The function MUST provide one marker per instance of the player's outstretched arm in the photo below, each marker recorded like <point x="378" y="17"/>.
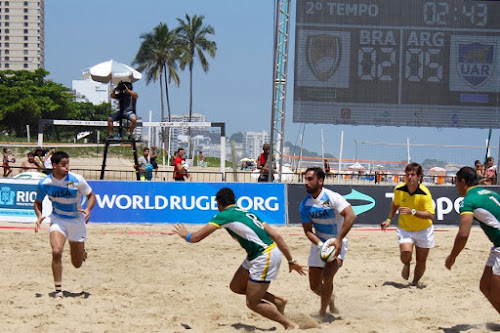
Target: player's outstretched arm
<point x="461" y="238"/>
<point x="194" y="237"/>
<point x="280" y="242"/>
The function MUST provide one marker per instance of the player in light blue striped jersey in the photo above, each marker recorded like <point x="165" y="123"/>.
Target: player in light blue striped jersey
<point x="68" y="220"/>
<point x="324" y="214"/>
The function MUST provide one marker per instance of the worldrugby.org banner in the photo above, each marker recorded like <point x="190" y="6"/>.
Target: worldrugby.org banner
<point x="181" y="202"/>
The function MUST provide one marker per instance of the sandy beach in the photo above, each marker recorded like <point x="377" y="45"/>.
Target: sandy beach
<point x="144" y="279"/>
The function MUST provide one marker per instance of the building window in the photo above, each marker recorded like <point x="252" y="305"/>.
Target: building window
<point x="25" y="44"/>
<point x="25" y="37"/>
<point x="6" y="65"/>
<point x="25" y="65"/>
<point x="25" y="24"/>
<point x="25" y="10"/>
<point x="6" y="10"/>
<point x="26" y="3"/>
<point x="6" y="37"/>
<point x="7" y="31"/>
<point x="26" y="52"/>
<point x="25" y="17"/>
<point x="6" y="3"/>
<point x="7" y="44"/>
<point x="7" y="24"/>
<point x="7" y="17"/>
<point x="25" y="31"/>
<point x="7" y="51"/>
<point x="7" y="58"/>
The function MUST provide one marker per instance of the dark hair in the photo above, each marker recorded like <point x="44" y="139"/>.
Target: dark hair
<point x="30" y="154"/>
<point x="225" y="197"/>
<point x="414" y="167"/>
<point x="37" y="149"/>
<point x="476" y="162"/>
<point x="178" y="150"/>
<point x="145" y="148"/>
<point x="468" y="174"/>
<point x="58" y="156"/>
<point x="317" y="171"/>
<point x="490" y="159"/>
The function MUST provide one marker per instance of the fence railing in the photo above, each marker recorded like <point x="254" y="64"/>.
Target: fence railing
<point x="206" y="176"/>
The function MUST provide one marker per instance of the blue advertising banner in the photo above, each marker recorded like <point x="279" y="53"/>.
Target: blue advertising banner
<point x="16" y="201"/>
<point x="181" y="202"/>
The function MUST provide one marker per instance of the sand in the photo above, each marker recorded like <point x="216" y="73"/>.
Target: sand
<point x="144" y="279"/>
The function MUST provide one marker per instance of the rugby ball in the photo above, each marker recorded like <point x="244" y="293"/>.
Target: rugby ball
<point x="327" y="251"/>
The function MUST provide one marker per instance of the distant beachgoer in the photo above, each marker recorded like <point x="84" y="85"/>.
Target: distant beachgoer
<point x="31" y="164"/>
<point x="262" y="164"/>
<point x="490" y="172"/>
<point x="7" y="170"/>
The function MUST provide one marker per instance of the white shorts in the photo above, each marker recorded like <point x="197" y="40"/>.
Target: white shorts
<point x="422" y="238"/>
<point x="494" y="260"/>
<point x="74" y="231"/>
<point x="265" y="267"/>
<point x="315" y="259"/>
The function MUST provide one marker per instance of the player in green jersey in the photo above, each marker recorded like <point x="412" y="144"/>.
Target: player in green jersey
<point x="482" y="205"/>
<point x="263" y="246"/>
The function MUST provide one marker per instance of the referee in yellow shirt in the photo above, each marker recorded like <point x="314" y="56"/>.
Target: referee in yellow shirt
<point x="416" y="213"/>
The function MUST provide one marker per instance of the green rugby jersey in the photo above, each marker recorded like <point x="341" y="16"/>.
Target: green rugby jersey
<point x="246" y="228"/>
<point x="485" y="205"/>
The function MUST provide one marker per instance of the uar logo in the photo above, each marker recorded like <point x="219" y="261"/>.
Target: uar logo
<point x="476" y="62"/>
<point x="7" y="196"/>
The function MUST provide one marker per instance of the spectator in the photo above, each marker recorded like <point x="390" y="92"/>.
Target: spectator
<point x="47" y="163"/>
<point x="30" y="164"/>
<point x="7" y="170"/>
<point x="39" y="155"/>
<point x="153" y="157"/>
<point x="490" y="172"/>
<point x="180" y="166"/>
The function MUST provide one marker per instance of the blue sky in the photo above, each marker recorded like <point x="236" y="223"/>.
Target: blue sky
<point x="237" y="89"/>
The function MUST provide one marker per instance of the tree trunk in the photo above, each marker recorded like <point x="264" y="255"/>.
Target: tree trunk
<point x="190" y="105"/>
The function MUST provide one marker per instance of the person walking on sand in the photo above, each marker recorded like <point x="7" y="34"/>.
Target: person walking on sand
<point x="482" y="205"/>
<point x="416" y="213"/>
<point x="261" y="266"/>
<point x="68" y="219"/>
<point x="325" y="214"/>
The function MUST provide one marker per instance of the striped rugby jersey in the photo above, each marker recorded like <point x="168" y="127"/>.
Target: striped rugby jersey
<point x="324" y="213"/>
<point x="65" y="194"/>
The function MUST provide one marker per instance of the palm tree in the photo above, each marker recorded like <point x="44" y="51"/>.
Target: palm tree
<point x="193" y="35"/>
<point x="157" y="56"/>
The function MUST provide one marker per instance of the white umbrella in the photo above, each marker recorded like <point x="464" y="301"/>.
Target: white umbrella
<point x="437" y="170"/>
<point x="111" y="71"/>
<point x="356" y="166"/>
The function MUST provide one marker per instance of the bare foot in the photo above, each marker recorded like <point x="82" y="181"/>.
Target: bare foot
<point x="291" y="326"/>
<point x="84" y="255"/>
<point x="405" y="273"/>
<point x="59" y="294"/>
<point x="333" y="309"/>
<point x="280" y="303"/>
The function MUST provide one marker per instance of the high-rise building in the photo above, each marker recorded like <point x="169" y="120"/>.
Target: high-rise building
<point x="22" y="34"/>
<point x="253" y="142"/>
<point x="90" y="91"/>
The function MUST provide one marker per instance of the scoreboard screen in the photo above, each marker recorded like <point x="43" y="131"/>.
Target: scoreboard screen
<point x="398" y="63"/>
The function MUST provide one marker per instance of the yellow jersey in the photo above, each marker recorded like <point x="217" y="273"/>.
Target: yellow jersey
<point x="420" y="200"/>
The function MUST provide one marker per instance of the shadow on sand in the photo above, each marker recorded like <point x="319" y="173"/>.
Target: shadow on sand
<point x="493" y="327"/>
<point x="403" y="285"/>
<point x="82" y="294"/>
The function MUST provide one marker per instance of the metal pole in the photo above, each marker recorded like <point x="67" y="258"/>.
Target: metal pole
<point x="340" y="154"/>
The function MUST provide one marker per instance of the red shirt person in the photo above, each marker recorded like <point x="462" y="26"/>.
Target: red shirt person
<point x="180" y="166"/>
